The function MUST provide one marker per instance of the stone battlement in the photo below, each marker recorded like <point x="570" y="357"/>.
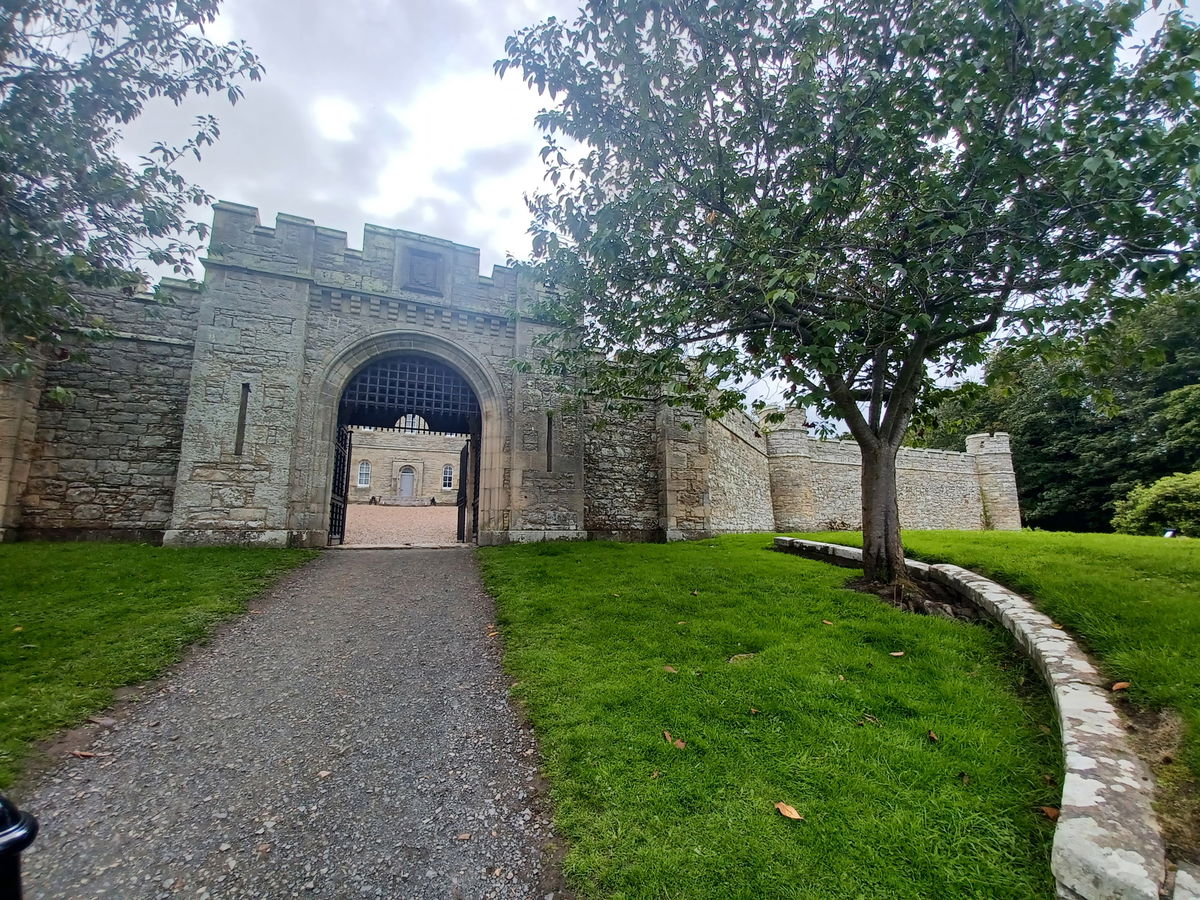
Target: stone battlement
<point x="391" y="263"/>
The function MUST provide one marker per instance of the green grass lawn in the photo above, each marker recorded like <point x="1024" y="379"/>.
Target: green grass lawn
<point x="1134" y="602"/>
<point x="821" y="717"/>
<point x="79" y="620"/>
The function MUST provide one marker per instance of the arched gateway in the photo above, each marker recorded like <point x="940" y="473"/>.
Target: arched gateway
<point x="320" y="338"/>
<point x="224" y="418"/>
<point x="408" y="387"/>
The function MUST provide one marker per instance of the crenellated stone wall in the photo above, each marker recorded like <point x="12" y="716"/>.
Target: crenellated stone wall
<point x="816" y="484"/>
<point x="214" y="420"/>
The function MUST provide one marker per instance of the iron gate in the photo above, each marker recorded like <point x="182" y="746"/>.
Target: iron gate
<point x="341" y="485"/>
<point x="463" y="457"/>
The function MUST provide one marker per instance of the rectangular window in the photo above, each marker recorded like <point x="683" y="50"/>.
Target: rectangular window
<point x="447" y="477"/>
<point x="364" y="474"/>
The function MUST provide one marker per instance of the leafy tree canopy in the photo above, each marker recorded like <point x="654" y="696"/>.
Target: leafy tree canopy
<point x="851" y="196"/>
<point x="73" y="213"/>
<point x="1172" y="502"/>
<point x="1116" y="408"/>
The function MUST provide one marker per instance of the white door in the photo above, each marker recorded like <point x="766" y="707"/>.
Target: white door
<point x="407" y="486"/>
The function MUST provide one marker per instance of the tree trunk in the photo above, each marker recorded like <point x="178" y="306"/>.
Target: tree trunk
<point x="883" y="556"/>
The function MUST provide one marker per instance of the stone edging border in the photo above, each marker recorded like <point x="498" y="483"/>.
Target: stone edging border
<point x="1107" y="843"/>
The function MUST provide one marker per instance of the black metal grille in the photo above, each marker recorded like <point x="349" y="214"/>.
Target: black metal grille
<point x="341" y="485"/>
<point x="410" y="385"/>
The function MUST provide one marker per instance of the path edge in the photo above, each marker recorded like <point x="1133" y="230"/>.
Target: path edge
<point x="1107" y="842"/>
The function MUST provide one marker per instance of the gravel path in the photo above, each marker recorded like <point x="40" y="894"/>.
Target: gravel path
<point x="393" y="525"/>
<point x="351" y="737"/>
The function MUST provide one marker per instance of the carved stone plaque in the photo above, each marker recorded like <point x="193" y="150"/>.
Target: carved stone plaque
<point x="424" y="272"/>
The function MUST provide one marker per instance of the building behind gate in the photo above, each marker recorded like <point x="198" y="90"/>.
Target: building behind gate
<point x="229" y="415"/>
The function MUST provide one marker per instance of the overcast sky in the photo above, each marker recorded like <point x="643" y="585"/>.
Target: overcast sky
<point x="380" y="111"/>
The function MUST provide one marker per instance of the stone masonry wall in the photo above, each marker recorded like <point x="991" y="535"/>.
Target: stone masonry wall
<point x="816" y="484"/>
<point x="18" y="433"/>
<point x="547" y="496"/>
<point x="739" y="476"/>
<point x="622" y="478"/>
<point x="936" y="489"/>
<point x="213" y="420"/>
<point x="103" y="463"/>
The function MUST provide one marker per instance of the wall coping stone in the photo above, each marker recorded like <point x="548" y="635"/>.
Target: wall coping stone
<point x="1187" y="882"/>
<point x="1107" y="843"/>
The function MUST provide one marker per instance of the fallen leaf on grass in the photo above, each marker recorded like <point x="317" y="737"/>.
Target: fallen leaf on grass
<point x="826" y="622"/>
<point x="788" y="812"/>
<point x="933" y="738"/>
<point x="1122" y="686"/>
<point x="964" y="777"/>
<point x="670" y="669"/>
<point x="841" y="678"/>
<point x="741" y="657"/>
<point x="18" y="628"/>
<point x="655" y="773"/>
<point x="674" y="741"/>
<point x="82" y="754"/>
<point x="681" y="622"/>
<point x="1055" y="625"/>
<point x="753" y="711"/>
<point x="695" y="593"/>
<point x="896" y="653"/>
<point x="1050" y="812"/>
<point x="493" y="634"/>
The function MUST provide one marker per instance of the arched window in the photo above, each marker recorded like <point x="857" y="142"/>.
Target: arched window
<point x="413" y="424"/>
<point x="447" y="476"/>
<point x="364" y="474"/>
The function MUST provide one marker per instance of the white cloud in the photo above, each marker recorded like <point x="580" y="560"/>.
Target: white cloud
<point x="335" y="118"/>
<point x="471" y="144"/>
<point x="380" y="111"/>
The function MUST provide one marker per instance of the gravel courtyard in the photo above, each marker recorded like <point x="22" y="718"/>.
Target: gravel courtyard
<point x="351" y="737"/>
<point x="397" y="525"/>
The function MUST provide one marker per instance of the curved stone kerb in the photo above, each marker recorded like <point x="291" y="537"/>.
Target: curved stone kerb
<point x="1107" y="844"/>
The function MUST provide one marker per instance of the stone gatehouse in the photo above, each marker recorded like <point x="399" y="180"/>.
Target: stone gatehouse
<point x="228" y="416"/>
